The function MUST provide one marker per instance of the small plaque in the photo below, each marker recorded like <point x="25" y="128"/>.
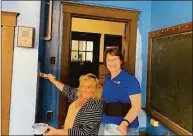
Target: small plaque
<point x="25" y="37"/>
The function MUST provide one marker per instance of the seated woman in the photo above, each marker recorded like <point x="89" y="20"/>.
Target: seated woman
<point x="84" y="114"/>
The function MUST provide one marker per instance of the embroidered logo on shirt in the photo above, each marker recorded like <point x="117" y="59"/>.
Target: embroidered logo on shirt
<point x="117" y="82"/>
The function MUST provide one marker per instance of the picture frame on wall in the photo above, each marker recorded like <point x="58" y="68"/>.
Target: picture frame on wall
<point x="25" y="37"/>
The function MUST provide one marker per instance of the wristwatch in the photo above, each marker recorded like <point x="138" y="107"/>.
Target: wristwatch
<point x="126" y="121"/>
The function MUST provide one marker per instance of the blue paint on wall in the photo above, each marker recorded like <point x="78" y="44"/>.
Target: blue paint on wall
<point x="50" y="96"/>
<point x="169" y="13"/>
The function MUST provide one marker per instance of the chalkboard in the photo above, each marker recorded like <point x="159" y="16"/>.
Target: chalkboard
<point x="171" y="78"/>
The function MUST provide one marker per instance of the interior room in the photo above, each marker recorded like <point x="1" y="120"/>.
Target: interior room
<point x="68" y="39"/>
<point x="109" y="31"/>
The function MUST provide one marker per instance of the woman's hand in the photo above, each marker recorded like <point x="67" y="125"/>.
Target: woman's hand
<point x="52" y="131"/>
<point x="43" y="75"/>
<point x="123" y="128"/>
<point x="51" y="77"/>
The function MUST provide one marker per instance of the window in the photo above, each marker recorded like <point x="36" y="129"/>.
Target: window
<point x="81" y="51"/>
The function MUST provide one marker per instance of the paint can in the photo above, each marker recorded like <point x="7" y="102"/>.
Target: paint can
<point x="111" y="129"/>
<point x="40" y="128"/>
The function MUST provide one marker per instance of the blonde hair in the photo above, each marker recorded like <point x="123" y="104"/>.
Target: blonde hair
<point x="95" y="83"/>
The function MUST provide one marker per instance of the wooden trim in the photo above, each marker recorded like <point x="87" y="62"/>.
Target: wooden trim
<point x="100" y="12"/>
<point x="148" y="72"/>
<point x="129" y="17"/>
<point x="132" y="46"/>
<point x="64" y="66"/>
<point x="7" y="61"/>
<point x="166" y="122"/>
<point x="9" y="18"/>
<point x="65" y="46"/>
<point x="182" y="28"/>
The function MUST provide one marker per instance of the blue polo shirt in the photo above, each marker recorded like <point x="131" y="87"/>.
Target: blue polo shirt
<point x="118" y="89"/>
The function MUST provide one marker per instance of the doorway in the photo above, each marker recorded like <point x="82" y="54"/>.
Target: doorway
<point x="84" y="55"/>
<point x="129" y="17"/>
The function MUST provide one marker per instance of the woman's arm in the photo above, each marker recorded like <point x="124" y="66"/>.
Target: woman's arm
<point x="132" y="113"/>
<point x="134" y="92"/>
<point x="68" y="91"/>
<point x="53" y="80"/>
<point x="135" y="107"/>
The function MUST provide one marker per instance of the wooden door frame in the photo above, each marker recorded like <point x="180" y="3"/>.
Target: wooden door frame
<point x="74" y="9"/>
<point x="177" y="29"/>
<point x="9" y="22"/>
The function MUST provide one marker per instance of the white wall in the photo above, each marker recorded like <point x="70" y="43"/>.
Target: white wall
<point x="25" y="65"/>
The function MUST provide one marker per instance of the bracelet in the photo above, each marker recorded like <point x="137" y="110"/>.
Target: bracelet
<point x="126" y="121"/>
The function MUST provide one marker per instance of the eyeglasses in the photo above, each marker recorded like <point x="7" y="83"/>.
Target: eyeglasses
<point x="112" y="60"/>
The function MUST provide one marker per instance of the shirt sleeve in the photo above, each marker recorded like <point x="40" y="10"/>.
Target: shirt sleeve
<point x="93" y="114"/>
<point x="70" y="92"/>
<point x="133" y="86"/>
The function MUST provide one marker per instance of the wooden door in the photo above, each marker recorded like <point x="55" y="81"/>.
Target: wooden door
<point x="84" y="54"/>
<point x="7" y="31"/>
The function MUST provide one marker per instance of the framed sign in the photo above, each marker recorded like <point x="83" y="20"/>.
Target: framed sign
<point x="25" y="37"/>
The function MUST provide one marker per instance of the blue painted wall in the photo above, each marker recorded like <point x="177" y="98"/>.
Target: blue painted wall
<point x="50" y="94"/>
<point x="169" y="13"/>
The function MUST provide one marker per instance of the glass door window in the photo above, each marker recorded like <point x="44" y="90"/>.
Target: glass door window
<point x="81" y="51"/>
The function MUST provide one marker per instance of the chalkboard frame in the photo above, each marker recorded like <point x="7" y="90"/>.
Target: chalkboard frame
<point x="177" y="29"/>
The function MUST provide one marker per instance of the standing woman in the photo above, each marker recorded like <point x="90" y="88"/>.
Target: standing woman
<point x="121" y="95"/>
